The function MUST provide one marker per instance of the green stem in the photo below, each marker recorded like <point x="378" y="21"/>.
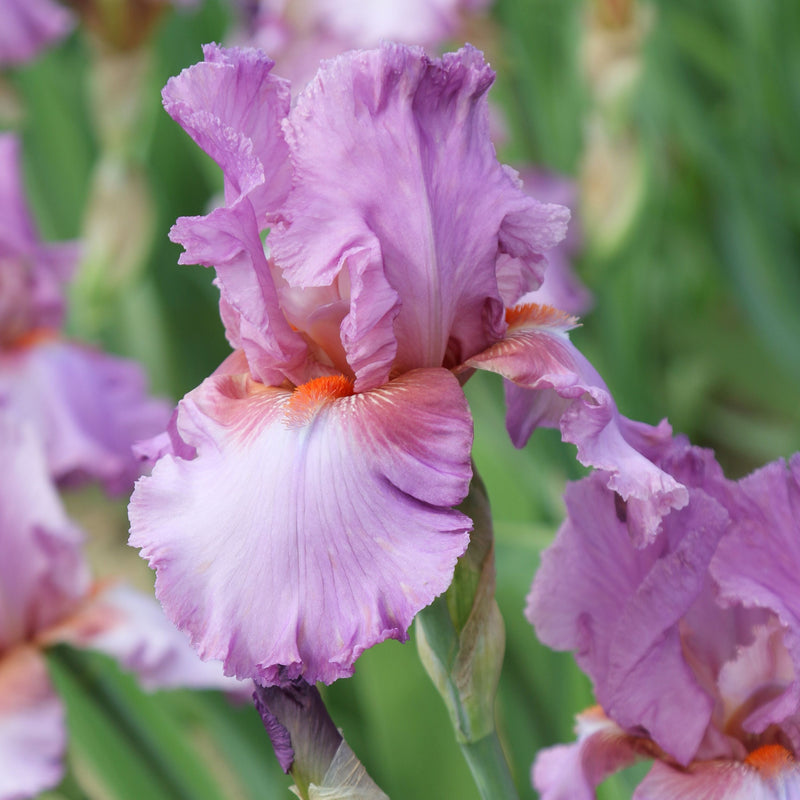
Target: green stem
<point x="489" y="768"/>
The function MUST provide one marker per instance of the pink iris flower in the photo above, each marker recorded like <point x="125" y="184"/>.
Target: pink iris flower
<point x="46" y="597"/>
<point x="28" y="26"/>
<point x="88" y="407"/>
<point x="692" y="642"/>
<point x="304" y="508"/>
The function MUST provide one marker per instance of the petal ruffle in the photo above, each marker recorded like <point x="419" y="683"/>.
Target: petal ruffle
<point x="33" y="734"/>
<point x="620" y="607"/>
<point x="232" y="106"/>
<point x="89" y="408"/>
<point x="42" y="572"/>
<point x="553" y="385"/>
<point x="421" y="263"/>
<point x="308" y="527"/>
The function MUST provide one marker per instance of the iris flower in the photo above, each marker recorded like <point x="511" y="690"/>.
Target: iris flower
<point x="692" y="642"/>
<point x="46" y="597"/>
<point x="304" y="509"/>
<point x="88" y="407"/>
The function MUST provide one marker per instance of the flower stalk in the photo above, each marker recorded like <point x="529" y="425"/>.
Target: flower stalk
<point x="461" y="639"/>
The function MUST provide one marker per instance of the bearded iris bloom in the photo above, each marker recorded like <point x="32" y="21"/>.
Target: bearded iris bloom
<point x="692" y="642"/>
<point x="303" y="509"/>
<point x="88" y="407"/>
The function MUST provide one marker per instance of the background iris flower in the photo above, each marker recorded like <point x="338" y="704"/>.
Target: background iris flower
<point x="691" y="642"/>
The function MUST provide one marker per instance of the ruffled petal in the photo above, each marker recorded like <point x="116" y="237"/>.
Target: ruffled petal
<point x="574" y="771"/>
<point x="311" y="525"/>
<point x="228" y="239"/>
<point x="33" y="734"/>
<point x="131" y="627"/>
<point x="619" y="607"/>
<point x="28" y="26"/>
<point x="757" y="566"/>
<point x="396" y="186"/>
<point x="553" y="385"/>
<point x="232" y="106"/>
<point x="89" y="408"/>
<point x="42" y="572"/>
<point x="719" y="780"/>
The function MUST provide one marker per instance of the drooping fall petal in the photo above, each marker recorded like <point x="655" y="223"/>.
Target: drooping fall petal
<point x="550" y="383"/>
<point x="311" y="524"/>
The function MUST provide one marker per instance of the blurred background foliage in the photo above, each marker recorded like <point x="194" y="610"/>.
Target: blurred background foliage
<point x="691" y="256"/>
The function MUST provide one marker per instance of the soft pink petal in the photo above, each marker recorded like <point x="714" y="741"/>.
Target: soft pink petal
<point x="32" y="728"/>
<point x="88" y="407"/>
<point x="554" y="385"/>
<point x="228" y="239"/>
<point x="302" y="534"/>
<point x="718" y="780"/>
<point x="394" y="125"/>
<point x="42" y="572"/>
<point x="619" y="608"/>
<point x="573" y="772"/>
<point x="28" y="26"/>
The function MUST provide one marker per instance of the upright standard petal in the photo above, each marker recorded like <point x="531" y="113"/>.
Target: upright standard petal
<point x="311" y="524"/>
<point x="233" y="106"/>
<point x="396" y="187"/>
<point x="33" y="734"/>
<point x="42" y="573"/>
<point x="88" y="407"/>
<point x="551" y="384"/>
